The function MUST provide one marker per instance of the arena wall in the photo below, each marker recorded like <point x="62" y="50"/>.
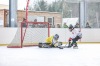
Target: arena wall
<point x="89" y="35"/>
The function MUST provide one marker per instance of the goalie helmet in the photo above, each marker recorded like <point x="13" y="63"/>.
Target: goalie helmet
<point x="56" y="37"/>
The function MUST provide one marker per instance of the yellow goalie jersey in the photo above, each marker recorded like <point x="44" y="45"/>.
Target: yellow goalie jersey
<point x="49" y="39"/>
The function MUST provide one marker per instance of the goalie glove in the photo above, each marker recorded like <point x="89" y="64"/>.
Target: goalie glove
<point x="56" y="44"/>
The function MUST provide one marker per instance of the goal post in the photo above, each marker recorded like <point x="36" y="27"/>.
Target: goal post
<point x="30" y="34"/>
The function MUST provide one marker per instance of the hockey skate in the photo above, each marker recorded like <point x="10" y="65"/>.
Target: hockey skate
<point x="61" y="47"/>
<point x="69" y="46"/>
<point x="75" y="47"/>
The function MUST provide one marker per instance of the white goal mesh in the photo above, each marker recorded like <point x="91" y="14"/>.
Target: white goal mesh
<point x="30" y="34"/>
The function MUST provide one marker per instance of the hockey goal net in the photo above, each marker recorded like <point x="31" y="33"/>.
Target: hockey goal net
<point x="30" y="34"/>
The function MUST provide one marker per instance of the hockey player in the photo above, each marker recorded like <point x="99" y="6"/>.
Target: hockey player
<point x="51" y="41"/>
<point x="76" y="35"/>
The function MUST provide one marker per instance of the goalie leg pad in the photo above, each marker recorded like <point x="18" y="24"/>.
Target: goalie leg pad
<point x="40" y="45"/>
<point x="44" y="45"/>
<point x="59" y="44"/>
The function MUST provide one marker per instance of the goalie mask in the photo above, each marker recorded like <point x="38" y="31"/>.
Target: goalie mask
<point x="56" y="37"/>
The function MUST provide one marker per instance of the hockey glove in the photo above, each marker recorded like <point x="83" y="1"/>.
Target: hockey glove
<point x="69" y="39"/>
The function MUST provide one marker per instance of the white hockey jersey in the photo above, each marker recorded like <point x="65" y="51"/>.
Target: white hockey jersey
<point x="75" y="33"/>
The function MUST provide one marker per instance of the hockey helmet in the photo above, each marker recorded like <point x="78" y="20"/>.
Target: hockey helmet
<point x="70" y="26"/>
<point x="56" y="37"/>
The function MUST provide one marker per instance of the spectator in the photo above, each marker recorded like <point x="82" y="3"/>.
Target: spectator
<point x="53" y="26"/>
<point x="35" y="20"/>
<point x="35" y="25"/>
<point x="77" y="25"/>
<point x="24" y="20"/>
<point x="87" y="25"/>
<point x="50" y="25"/>
<point x="58" y="26"/>
<point x="65" y="26"/>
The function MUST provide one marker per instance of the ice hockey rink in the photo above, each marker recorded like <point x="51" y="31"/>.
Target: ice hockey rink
<point x="83" y="11"/>
<point x="86" y="55"/>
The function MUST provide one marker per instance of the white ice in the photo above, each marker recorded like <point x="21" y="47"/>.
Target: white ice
<point x="86" y="55"/>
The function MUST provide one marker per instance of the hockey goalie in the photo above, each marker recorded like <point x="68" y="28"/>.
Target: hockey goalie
<point x="50" y="42"/>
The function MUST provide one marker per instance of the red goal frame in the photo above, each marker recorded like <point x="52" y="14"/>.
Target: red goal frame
<point x="23" y="34"/>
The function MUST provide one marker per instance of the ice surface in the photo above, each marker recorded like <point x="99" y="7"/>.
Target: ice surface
<point x="86" y="55"/>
